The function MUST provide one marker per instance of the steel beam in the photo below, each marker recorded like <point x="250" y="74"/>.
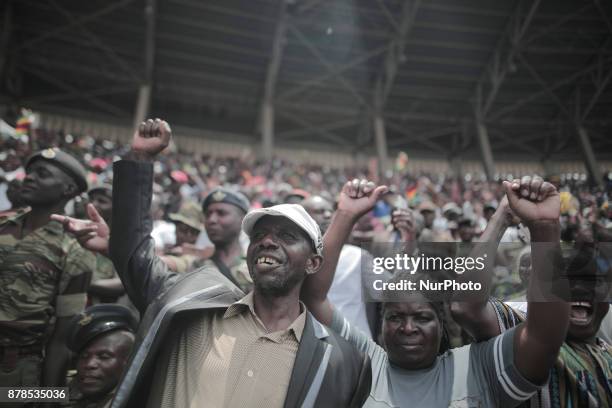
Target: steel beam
<point x="331" y="74"/>
<point x="571" y="78"/>
<point x="311" y="47"/>
<point x="110" y="53"/>
<point x="107" y="107"/>
<point x="295" y="133"/>
<point x="395" y="54"/>
<point x="332" y="137"/>
<point x="75" y="22"/>
<point x="501" y="61"/>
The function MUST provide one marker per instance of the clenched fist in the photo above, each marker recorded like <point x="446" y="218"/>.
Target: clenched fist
<point x="151" y="137"/>
<point x="533" y="199"/>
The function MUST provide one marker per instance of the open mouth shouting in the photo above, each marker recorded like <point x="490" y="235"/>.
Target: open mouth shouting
<point x="581" y="313"/>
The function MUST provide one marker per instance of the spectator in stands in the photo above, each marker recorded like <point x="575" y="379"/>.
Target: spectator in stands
<point x="268" y="329"/>
<point x="224" y="210"/>
<point x="184" y="255"/>
<point x="582" y="371"/>
<point x="45" y="274"/>
<point x="102" y="337"/>
<point x="407" y="370"/>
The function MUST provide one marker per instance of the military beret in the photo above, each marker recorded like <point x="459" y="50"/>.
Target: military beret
<point x="226" y="195"/>
<point x="64" y="161"/>
<point x="97" y="320"/>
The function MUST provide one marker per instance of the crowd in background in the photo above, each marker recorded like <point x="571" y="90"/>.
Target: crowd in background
<point x="451" y="208"/>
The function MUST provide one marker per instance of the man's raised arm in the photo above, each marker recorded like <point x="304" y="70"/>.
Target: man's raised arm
<point x="538" y="340"/>
<point x="144" y="275"/>
<point x="357" y="198"/>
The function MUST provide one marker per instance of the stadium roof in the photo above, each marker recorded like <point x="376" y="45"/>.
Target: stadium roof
<point x="532" y="71"/>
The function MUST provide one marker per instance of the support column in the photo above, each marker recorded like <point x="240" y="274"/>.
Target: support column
<point x="485" y="150"/>
<point x="267" y="131"/>
<point x="381" y="144"/>
<point x="589" y="156"/>
<point x="456" y="166"/>
<point x="143" y="102"/>
<point x="266" y="118"/>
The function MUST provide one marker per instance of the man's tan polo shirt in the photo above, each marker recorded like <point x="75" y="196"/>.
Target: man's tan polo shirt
<point x="229" y="359"/>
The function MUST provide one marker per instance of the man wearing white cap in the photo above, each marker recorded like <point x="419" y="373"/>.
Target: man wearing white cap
<point x="202" y="342"/>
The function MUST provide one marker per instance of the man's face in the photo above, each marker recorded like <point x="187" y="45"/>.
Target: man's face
<point x="101" y="363"/>
<point x="320" y="210"/>
<point x="185" y="234"/>
<point x="278" y="255"/>
<point x="428" y="218"/>
<point x="103" y="203"/>
<point x="466" y="233"/>
<point x="45" y="184"/>
<point x="587" y="308"/>
<point x="411" y="334"/>
<point x="524" y="268"/>
<point x="223" y="222"/>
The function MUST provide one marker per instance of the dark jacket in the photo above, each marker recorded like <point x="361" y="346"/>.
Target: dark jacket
<point x="328" y="371"/>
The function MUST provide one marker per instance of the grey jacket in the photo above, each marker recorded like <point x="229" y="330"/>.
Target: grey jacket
<point x="328" y="371"/>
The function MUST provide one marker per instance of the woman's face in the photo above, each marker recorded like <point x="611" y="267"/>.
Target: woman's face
<point x="412" y="334"/>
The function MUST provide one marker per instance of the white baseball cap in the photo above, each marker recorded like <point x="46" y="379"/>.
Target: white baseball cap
<point x="293" y="212"/>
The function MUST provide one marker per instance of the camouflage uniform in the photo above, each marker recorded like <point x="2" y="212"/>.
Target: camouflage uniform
<point x="238" y="269"/>
<point x="45" y="275"/>
<point x="183" y="263"/>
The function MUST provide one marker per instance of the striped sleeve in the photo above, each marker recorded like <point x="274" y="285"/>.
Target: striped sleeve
<point x="500" y="376"/>
<point x="355" y="336"/>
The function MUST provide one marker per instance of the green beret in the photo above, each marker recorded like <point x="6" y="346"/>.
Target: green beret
<point x="225" y="195"/>
<point x="64" y="161"/>
<point x="97" y="320"/>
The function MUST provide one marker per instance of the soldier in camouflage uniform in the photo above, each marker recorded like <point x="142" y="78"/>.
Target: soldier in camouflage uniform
<point x="224" y="210"/>
<point x="45" y="274"/>
<point x="184" y="255"/>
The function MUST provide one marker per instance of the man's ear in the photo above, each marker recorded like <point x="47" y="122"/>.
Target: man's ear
<point x="313" y="264"/>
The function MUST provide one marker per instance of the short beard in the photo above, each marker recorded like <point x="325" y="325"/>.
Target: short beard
<point x="279" y="286"/>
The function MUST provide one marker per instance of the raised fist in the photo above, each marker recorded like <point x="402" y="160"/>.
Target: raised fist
<point x="533" y="199"/>
<point x="359" y="196"/>
<point x="403" y="221"/>
<point x="151" y="137"/>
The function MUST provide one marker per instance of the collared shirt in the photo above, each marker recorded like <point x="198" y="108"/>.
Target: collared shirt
<point x="227" y="358"/>
<point x="44" y="275"/>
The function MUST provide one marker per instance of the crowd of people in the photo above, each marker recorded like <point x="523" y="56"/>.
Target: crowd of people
<point x="139" y="275"/>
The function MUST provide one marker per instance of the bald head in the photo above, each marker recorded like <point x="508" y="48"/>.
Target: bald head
<point x="320" y="210"/>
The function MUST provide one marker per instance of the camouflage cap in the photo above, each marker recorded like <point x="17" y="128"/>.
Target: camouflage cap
<point x="64" y="161"/>
<point x="189" y="214"/>
<point x="226" y="195"/>
<point x="106" y="189"/>
<point x="97" y="320"/>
